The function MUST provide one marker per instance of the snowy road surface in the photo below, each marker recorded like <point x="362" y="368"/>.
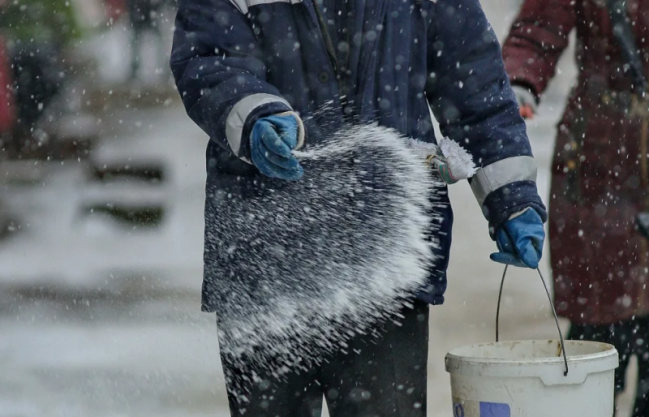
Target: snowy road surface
<point x="100" y="318"/>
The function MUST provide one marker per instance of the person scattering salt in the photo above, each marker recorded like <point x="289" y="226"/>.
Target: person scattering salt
<point x="327" y="221"/>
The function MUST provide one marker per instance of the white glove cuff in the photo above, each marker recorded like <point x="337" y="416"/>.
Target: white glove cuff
<point x="300" y="128"/>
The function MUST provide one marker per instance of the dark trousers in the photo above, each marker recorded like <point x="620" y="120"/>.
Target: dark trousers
<point x="630" y="338"/>
<point x="380" y="375"/>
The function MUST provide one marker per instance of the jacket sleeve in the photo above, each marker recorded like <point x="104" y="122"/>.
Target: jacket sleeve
<point x="220" y="73"/>
<point x="536" y="40"/>
<point x="473" y="102"/>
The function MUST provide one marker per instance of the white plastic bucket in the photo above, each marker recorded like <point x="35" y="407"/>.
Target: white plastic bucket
<point x="526" y="379"/>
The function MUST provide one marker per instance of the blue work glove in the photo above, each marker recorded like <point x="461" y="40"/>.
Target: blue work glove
<point x="272" y="140"/>
<point x="520" y="241"/>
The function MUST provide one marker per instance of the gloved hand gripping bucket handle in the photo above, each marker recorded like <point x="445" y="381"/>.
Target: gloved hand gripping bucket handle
<point x="554" y="311"/>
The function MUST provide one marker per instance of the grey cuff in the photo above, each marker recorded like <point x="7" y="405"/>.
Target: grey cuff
<point x="492" y="177"/>
<point x="236" y="120"/>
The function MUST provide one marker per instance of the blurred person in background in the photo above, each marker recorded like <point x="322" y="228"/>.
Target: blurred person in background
<point x="600" y="176"/>
<point x="144" y="18"/>
<point x="38" y="32"/>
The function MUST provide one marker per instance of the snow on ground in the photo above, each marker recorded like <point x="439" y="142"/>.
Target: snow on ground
<point x="101" y="318"/>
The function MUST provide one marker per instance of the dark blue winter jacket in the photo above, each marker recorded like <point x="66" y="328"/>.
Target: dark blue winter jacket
<point x="236" y="61"/>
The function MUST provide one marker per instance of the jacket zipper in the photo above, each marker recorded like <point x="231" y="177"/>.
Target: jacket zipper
<point x="331" y="51"/>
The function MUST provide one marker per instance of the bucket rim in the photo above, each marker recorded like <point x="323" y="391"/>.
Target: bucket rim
<point x="608" y="351"/>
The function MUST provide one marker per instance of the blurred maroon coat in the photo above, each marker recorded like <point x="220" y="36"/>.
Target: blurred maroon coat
<point x="599" y="179"/>
<point x="114" y="8"/>
<point x="7" y="105"/>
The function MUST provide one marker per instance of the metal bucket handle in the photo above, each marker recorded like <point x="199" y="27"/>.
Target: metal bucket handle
<point x="556" y="318"/>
